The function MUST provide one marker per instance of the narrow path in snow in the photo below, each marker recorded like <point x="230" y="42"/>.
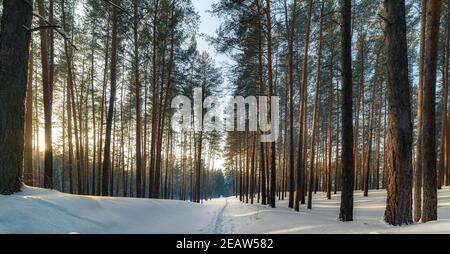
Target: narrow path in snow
<point x="219" y="221"/>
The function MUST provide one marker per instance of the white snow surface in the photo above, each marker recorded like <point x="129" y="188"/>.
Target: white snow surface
<point x="38" y="211"/>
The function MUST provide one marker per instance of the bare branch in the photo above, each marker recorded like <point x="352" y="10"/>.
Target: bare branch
<point x="43" y="28"/>
<point x="52" y="26"/>
<point x="118" y="7"/>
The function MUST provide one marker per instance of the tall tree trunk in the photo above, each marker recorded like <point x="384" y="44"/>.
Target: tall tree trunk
<point x="346" y="211"/>
<point x="378" y="145"/>
<point x="418" y="173"/>
<point x="429" y="212"/>
<point x="109" y="120"/>
<point x="102" y="115"/>
<point x="301" y="169"/>
<point x="315" y="112"/>
<point x="252" y="171"/>
<point x="445" y="71"/>
<point x="28" y="135"/>
<point x="154" y="99"/>
<point x="14" y="53"/>
<point x="330" y="120"/>
<point x="261" y="93"/>
<point x="359" y="162"/>
<point x="273" y="174"/>
<point x="368" y="157"/>
<point x="443" y="158"/>
<point x="139" y="167"/>
<point x="37" y="173"/>
<point x="399" y="150"/>
<point x="48" y="94"/>
<point x="290" y="30"/>
<point x="94" y="126"/>
<point x="337" y="164"/>
<point x="63" y="159"/>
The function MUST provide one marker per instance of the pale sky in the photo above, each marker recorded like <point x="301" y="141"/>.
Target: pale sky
<point x="208" y="26"/>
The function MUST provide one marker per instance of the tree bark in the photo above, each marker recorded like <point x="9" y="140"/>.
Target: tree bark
<point x="137" y="95"/>
<point x="290" y="30"/>
<point x="28" y="145"/>
<point x="418" y="172"/>
<point x="261" y="93"/>
<point x="301" y="170"/>
<point x="14" y="53"/>
<point x="399" y="150"/>
<point x="315" y="112"/>
<point x="48" y="101"/>
<point x="370" y="130"/>
<point x="429" y="212"/>
<point x="346" y="211"/>
<point x="109" y="120"/>
<point x="445" y="66"/>
<point x="154" y="100"/>
<point x="329" y="168"/>
<point x="273" y="174"/>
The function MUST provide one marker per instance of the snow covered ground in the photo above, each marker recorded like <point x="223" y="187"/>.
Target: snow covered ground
<point x="41" y="211"/>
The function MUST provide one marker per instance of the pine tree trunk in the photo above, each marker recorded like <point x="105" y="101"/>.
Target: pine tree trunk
<point x="48" y="94"/>
<point x="371" y="123"/>
<point x="346" y="211"/>
<point x="98" y="190"/>
<point x="252" y="171"/>
<point x="14" y="53"/>
<point x="337" y="164"/>
<point x="63" y="159"/>
<point x="94" y="126"/>
<point x="418" y="172"/>
<point x="261" y="93"/>
<point x="28" y="144"/>
<point x="329" y="168"/>
<point x="154" y="100"/>
<point x="109" y="120"/>
<point x="315" y="112"/>
<point x="378" y="145"/>
<point x="399" y="150"/>
<point x="445" y="71"/>
<point x="273" y="172"/>
<point x="290" y="30"/>
<point x="429" y="212"/>
<point x="443" y="162"/>
<point x="301" y="169"/>
<point x="136" y="63"/>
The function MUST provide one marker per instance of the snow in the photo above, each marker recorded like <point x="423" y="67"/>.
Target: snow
<point x="37" y="211"/>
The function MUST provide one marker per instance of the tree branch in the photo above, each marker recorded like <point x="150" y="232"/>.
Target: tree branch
<point x="118" y="7"/>
<point x="44" y="27"/>
<point x="52" y="26"/>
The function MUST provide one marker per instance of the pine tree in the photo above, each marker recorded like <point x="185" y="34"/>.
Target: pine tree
<point x="399" y="177"/>
<point x="346" y="213"/>
<point x="429" y="212"/>
<point x="16" y="19"/>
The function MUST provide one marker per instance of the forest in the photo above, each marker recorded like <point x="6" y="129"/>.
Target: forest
<point x="87" y="90"/>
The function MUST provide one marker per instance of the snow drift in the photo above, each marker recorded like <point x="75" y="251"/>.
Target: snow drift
<point x="36" y="211"/>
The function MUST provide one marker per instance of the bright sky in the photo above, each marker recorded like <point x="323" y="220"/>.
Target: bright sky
<point x="208" y="26"/>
